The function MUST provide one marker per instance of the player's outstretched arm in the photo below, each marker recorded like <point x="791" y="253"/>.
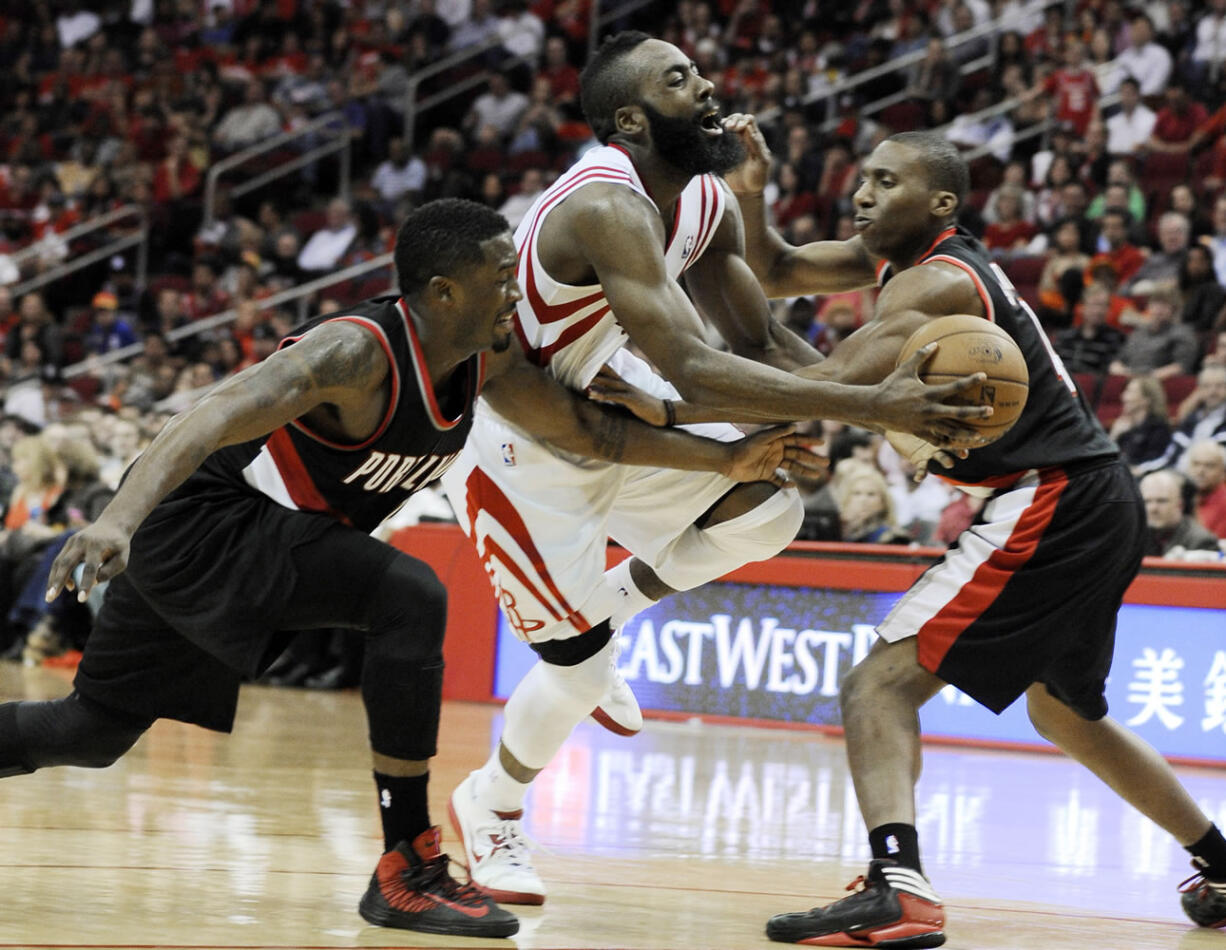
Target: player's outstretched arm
<point x="784" y="270"/>
<point x="539" y="404"/>
<point x="338" y="363"/>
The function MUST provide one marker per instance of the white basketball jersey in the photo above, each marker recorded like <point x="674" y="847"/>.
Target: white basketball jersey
<point x="569" y="330"/>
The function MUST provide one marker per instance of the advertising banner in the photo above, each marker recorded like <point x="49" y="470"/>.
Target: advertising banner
<point x="779" y="653"/>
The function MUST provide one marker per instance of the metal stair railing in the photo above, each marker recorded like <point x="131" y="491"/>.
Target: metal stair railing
<point x="290" y="295"/>
<point x="329" y="123"/>
<point x="138" y="238"/>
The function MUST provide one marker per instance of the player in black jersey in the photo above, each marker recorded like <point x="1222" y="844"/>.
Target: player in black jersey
<point x="1025" y="602"/>
<point x="248" y="518"/>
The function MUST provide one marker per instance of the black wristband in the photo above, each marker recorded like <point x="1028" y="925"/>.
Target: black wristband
<point x="670" y="413"/>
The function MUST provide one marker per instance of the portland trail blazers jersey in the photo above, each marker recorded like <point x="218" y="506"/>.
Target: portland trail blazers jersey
<point x="1056" y="427"/>
<point x="364" y="483"/>
<point x="571" y="330"/>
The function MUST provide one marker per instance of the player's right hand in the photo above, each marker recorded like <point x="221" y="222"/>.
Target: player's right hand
<point x="905" y="403"/>
<point x="101" y="550"/>
<point x="749" y="177"/>
<point x="771" y="455"/>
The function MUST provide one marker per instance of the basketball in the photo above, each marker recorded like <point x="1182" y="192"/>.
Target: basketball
<point x="970" y="344"/>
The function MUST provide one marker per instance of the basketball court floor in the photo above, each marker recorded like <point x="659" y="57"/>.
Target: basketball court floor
<point x="687" y="836"/>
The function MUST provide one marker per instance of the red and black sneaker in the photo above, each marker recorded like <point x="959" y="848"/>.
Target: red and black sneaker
<point x="413" y="889"/>
<point x="893" y="906"/>
<point x="1203" y="899"/>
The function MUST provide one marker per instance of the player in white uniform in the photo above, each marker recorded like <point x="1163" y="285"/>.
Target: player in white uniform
<point x="601" y="255"/>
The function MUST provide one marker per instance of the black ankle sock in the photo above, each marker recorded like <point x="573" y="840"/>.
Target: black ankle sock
<point x="402" y="807"/>
<point x="898" y="842"/>
<point x="1210" y="853"/>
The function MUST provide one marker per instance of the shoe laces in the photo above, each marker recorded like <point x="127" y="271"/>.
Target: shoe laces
<point x="507" y="836"/>
<point x="434" y="876"/>
<point x="1203" y="886"/>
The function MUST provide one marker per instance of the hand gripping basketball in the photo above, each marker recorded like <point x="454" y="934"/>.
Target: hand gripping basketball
<point x="969" y="344"/>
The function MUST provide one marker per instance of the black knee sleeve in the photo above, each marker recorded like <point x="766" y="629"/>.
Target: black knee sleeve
<point x="407" y="613"/>
<point x="69" y="731"/>
<point x="402" y="672"/>
<point x="574" y="650"/>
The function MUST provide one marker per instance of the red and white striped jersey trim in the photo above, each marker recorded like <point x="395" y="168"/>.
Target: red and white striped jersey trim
<point x="571" y="328"/>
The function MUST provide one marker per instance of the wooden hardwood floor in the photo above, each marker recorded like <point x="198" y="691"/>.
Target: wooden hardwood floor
<point x="686" y="837"/>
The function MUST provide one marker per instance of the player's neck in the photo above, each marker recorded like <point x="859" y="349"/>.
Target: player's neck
<point x="664" y="182"/>
<point x="914" y="251"/>
<point x="441" y="356"/>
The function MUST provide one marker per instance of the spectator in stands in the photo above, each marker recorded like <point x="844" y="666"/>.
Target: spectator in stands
<point x="1161" y="268"/>
<point x="400" y="175"/>
<point x="562" y="75"/>
<point x="866" y="509"/>
<point x="1203" y="296"/>
<point x="521" y="31"/>
<point x="1177" y="120"/>
<point x="479" y="26"/>
<point x="1202" y="415"/>
<point x="936" y="76"/>
<point x="1010" y="233"/>
<point x="531" y="184"/>
<point x="37" y="325"/>
<point x="1061" y="281"/>
<point x="248" y="123"/>
<point x="1206" y="464"/>
<point x="1072" y="88"/>
<point x="328" y="245"/>
<point x="1142" y="430"/>
<point x="1130" y="199"/>
<point x="539" y="124"/>
<point x="1159" y="344"/>
<point x="1013" y="179"/>
<point x="975" y="129"/>
<point x="1090" y="346"/>
<point x="1216" y="242"/>
<point x="499" y="107"/>
<point x="107" y="330"/>
<point x="1172" y="529"/>
<point x="1209" y="53"/>
<point x="1129" y="129"/>
<point x="1144" y="60"/>
<point x="1049" y="205"/>
<point x="1115" y="248"/>
<point x="206" y="297"/>
<point x="176" y="177"/>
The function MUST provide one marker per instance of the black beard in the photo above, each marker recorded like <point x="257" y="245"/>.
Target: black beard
<point x="684" y="145"/>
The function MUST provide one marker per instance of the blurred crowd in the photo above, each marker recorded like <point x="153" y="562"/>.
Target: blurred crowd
<point x="1096" y="132"/>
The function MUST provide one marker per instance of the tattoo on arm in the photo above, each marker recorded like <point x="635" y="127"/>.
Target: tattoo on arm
<point x="610" y="437"/>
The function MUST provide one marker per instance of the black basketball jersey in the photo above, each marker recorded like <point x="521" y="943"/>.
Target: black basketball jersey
<point x="360" y="484"/>
<point x="1056" y="427"/>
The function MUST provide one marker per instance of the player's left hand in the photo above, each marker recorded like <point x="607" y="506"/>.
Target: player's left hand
<point x="101" y="549"/>
<point x="773" y="454"/>
<point x="609" y="388"/>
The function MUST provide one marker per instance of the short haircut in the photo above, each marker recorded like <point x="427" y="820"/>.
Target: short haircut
<point x="607" y="82"/>
<point x="443" y="238"/>
<point x="1129" y="81"/>
<point x="947" y="169"/>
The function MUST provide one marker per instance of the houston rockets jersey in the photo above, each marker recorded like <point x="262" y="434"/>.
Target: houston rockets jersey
<point x="361" y="484"/>
<point x="1056" y="426"/>
<point x="571" y="330"/>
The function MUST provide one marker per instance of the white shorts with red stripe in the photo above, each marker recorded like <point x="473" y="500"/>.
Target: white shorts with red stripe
<point x="1029" y="593"/>
<point x="541" y="519"/>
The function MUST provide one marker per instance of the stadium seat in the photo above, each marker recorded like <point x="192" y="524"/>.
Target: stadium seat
<point x="903" y="116"/>
<point x="1177" y="389"/>
<point x="1109" y="398"/>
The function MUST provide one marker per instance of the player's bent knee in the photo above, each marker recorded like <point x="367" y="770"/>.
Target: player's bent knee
<point x="407" y="616"/>
<point x="70" y="731"/>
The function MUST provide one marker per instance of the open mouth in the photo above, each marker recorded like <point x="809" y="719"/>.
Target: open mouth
<point x="711" y="123"/>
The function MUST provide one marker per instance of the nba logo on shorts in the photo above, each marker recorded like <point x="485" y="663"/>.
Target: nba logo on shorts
<point x="508" y="453"/>
<point x="689" y="246"/>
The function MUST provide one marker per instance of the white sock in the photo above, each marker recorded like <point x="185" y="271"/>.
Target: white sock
<point x="496" y="789"/>
<point x="631" y="599"/>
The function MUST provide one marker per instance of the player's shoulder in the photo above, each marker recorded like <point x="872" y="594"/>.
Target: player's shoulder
<point x="601" y="206"/>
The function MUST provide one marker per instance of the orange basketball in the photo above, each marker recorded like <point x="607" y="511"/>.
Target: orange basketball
<point x="969" y="344"/>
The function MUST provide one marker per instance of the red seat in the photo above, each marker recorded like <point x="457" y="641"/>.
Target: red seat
<point x="1025" y="270"/>
<point x="1177" y="389"/>
<point x="1109" y="401"/>
<point x="308" y="222"/>
<point x="903" y="116"/>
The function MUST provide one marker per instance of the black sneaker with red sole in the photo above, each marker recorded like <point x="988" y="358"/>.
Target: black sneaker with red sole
<point x="412" y="888"/>
<point x="1204" y="899"/>
<point x="892" y="906"/>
